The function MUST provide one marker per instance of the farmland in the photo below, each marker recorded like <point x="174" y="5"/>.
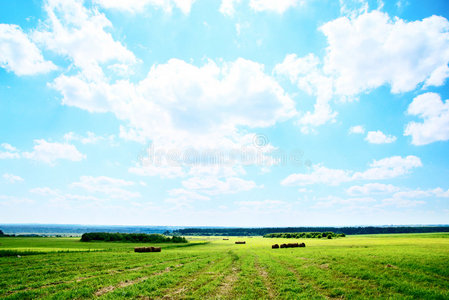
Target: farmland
<point x="385" y="266"/>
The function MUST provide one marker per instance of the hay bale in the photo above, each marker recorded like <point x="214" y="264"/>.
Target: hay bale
<point x="225" y="239"/>
<point x="283" y="245"/>
<point x="302" y="245"/>
<point x="147" y="249"/>
<point x="275" y="246"/>
<point x="292" y="245"/>
<point x="240" y="242"/>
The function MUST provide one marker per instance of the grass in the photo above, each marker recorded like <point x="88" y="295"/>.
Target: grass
<point x="399" y="266"/>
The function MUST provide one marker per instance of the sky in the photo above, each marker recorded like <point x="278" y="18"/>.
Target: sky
<point x="224" y="113"/>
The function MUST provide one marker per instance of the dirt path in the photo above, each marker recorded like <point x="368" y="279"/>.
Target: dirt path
<point x="124" y="284"/>
<point x="262" y="272"/>
<point x="108" y="272"/>
<point x="179" y="290"/>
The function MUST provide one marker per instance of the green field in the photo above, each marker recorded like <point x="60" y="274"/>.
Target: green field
<point x="377" y="266"/>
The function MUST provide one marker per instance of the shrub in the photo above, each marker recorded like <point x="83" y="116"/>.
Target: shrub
<point x="131" y="237"/>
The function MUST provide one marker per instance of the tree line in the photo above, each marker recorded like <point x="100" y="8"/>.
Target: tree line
<point x="131" y="237"/>
<point x="307" y="235"/>
<point x="345" y="230"/>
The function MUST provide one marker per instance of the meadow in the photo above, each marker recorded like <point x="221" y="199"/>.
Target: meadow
<point x="398" y="266"/>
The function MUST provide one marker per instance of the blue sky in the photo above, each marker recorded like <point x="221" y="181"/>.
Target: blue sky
<point x="224" y="113"/>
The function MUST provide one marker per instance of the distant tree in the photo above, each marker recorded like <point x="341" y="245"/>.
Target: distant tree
<point x="1" y="233"/>
<point x="329" y="237"/>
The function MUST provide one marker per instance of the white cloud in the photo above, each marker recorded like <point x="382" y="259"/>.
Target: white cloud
<point x="214" y="186"/>
<point x="373" y="50"/>
<point x="111" y="187"/>
<point x="371" y="188"/>
<point x="389" y="167"/>
<point x="184" y="107"/>
<point x="306" y="73"/>
<point x="8" y="147"/>
<point x="227" y="7"/>
<point x="60" y="198"/>
<point x="90" y="138"/>
<point x="435" y="115"/>
<point x="12" y="178"/>
<point x="358" y="129"/>
<point x="400" y="202"/>
<point x="78" y="33"/>
<point x="353" y="8"/>
<point x="11" y="152"/>
<point x="279" y="6"/>
<point x="365" y="52"/>
<point x="320" y="174"/>
<point x="49" y="152"/>
<point x="378" y="137"/>
<point x="135" y="6"/>
<point x="19" y="55"/>
<point x="386" y="168"/>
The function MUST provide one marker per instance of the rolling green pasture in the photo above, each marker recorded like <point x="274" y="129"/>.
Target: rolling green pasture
<point x="402" y="266"/>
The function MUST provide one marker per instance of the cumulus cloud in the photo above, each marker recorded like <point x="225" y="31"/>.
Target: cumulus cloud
<point x="214" y="186"/>
<point x="49" y="152"/>
<point x="279" y="6"/>
<point x="89" y="138"/>
<point x="8" y="151"/>
<point x="367" y="51"/>
<point x="60" y="198"/>
<point x="435" y="115"/>
<point x="319" y="174"/>
<point x="73" y="31"/>
<point x="12" y="178"/>
<point x="373" y="50"/>
<point x="358" y="129"/>
<point x="371" y="188"/>
<point x="19" y="54"/>
<point x="135" y="6"/>
<point x="227" y="7"/>
<point x="181" y="106"/>
<point x="111" y="187"/>
<point x="378" y="137"/>
<point x="386" y="168"/>
<point x="389" y="167"/>
<point x="307" y="74"/>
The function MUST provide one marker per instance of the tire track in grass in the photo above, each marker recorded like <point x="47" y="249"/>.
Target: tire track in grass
<point x="307" y="289"/>
<point x="124" y="284"/>
<point x="184" y="285"/>
<point x="350" y="283"/>
<point x="375" y="277"/>
<point x="107" y="273"/>
<point x="263" y="274"/>
<point x="230" y="278"/>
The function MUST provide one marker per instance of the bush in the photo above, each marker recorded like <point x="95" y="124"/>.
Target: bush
<point x="131" y="237"/>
